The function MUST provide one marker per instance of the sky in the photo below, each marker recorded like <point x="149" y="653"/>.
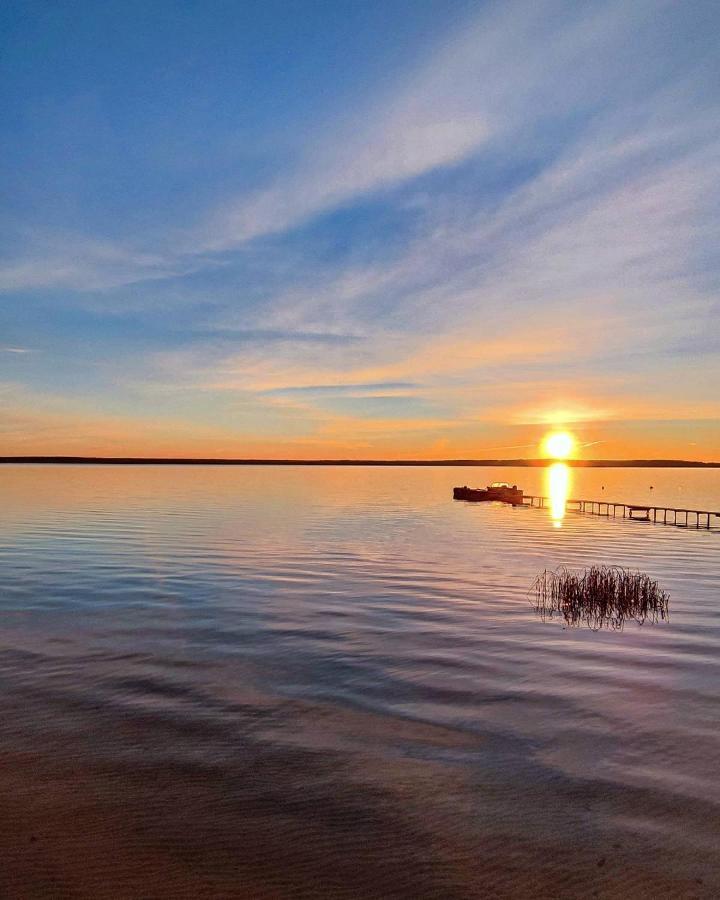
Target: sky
<point x="395" y="228"/>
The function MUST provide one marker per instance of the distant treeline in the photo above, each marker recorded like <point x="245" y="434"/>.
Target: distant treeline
<point x="188" y="461"/>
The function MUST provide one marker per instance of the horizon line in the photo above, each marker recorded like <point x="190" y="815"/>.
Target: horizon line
<point x="240" y="461"/>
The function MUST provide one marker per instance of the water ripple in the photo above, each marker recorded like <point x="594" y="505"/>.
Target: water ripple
<point x="305" y="647"/>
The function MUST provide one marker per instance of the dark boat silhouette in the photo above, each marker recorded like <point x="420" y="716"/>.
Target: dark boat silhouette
<point x="499" y="490"/>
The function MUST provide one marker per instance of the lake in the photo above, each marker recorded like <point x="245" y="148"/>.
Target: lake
<point x="292" y="682"/>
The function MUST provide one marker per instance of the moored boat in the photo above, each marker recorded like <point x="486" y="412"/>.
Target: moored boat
<point x="499" y="490"/>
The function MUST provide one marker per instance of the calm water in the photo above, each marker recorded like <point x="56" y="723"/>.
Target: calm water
<point x="274" y="682"/>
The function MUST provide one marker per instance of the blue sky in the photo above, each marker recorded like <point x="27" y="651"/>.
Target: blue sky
<point x="397" y="228"/>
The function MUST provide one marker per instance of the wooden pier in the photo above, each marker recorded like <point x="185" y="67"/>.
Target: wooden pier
<point x="665" y="515"/>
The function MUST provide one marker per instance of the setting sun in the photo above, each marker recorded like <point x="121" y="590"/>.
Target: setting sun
<point x="559" y="445"/>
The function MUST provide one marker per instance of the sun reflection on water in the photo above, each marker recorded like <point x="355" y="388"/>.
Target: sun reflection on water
<point x="558" y="481"/>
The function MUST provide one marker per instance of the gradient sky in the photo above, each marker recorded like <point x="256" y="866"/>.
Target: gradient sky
<point x="392" y="228"/>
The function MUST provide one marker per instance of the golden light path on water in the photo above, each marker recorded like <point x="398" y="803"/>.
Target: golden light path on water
<point x="558" y="488"/>
<point x="558" y="445"/>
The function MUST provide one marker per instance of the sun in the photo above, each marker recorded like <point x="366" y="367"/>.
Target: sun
<point x="558" y="444"/>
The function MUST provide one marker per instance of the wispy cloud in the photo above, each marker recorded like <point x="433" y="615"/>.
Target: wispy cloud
<point x="385" y="387"/>
<point x="499" y="74"/>
<point x="487" y="85"/>
<point x="87" y="264"/>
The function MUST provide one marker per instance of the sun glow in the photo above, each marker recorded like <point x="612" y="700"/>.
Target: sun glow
<point x="558" y="444"/>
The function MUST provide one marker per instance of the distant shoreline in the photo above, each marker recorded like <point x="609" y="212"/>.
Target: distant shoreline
<point x="521" y="463"/>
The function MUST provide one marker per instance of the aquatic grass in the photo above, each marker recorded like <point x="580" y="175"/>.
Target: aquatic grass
<point x="599" y="597"/>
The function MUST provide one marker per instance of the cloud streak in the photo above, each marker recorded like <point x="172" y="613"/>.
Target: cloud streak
<point x="493" y="76"/>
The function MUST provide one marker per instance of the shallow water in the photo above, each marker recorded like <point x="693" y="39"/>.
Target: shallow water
<point x="301" y="681"/>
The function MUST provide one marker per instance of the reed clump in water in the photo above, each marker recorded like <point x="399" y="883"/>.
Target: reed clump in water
<point x="600" y="597"/>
